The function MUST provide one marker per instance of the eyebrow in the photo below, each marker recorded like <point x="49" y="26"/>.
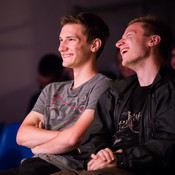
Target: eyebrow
<point x="130" y="31"/>
<point x="70" y="36"/>
<point x="67" y="37"/>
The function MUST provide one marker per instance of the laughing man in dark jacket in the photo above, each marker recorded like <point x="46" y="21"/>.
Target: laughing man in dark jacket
<point x="134" y="126"/>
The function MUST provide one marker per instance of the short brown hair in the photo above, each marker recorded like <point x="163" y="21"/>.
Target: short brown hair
<point x="95" y="27"/>
<point x="154" y="25"/>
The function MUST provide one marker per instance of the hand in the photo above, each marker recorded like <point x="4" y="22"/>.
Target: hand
<point x="105" y="154"/>
<point x="40" y="125"/>
<point x="104" y="158"/>
<point x="35" y="150"/>
<point x="99" y="163"/>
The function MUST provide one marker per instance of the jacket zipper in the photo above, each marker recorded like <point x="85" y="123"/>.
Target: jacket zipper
<point x="149" y="114"/>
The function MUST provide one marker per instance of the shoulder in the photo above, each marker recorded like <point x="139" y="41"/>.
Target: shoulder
<point x="164" y="81"/>
<point x="101" y="83"/>
<point x="101" y="79"/>
<point x="53" y="88"/>
<point x="98" y="83"/>
<point x="120" y="88"/>
<point x="125" y="84"/>
<point x="166" y="75"/>
<point x="167" y="72"/>
<point x="57" y="85"/>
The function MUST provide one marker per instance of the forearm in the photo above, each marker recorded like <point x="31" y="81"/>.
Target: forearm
<point x="63" y="142"/>
<point x="68" y="139"/>
<point x="31" y="136"/>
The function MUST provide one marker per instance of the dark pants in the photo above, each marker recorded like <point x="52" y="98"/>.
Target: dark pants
<point x="32" y="166"/>
<point x="105" y="171"/>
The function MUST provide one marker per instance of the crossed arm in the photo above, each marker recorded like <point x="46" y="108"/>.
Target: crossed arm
<point x="32" y="135"/>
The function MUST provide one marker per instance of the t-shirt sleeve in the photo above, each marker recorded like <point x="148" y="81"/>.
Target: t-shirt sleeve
<point x="97" y="90"/>
<point x="41" y="101"/>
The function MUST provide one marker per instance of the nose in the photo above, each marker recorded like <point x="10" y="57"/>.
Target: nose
<point x="62" y="46"/>
<point x="119" y="43"/>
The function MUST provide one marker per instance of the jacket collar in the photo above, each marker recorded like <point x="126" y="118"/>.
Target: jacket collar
<point x="163" y="74"/>
<point x="128" y="83"/>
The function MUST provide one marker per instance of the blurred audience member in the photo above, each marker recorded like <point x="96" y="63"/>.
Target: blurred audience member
<point x="173" y="57"/>
<point x="50" y="70"/>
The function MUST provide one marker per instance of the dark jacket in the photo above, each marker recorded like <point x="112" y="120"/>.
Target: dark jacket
<point x="156" y="148"/>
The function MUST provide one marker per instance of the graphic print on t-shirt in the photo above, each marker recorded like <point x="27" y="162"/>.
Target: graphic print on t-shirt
<point x="59" y="110"/>
<point x="128" y="130"/>
<point x="131" y="121"/>
<point x="62" y="106"/>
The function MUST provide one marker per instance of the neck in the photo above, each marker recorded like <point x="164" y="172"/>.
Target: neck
<point x="146" y="78"/>
<point x="83" y="74"/>
<point x="146" y="72"/>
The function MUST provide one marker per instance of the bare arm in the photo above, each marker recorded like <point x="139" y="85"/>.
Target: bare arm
<point x="68" y="139"/>
<point x="30" y="133"/>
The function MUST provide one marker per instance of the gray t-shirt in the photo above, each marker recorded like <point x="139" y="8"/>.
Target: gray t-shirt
<point x="62" y="107"/>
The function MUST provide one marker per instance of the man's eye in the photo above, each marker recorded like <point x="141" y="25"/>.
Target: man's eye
<point x="71" y="39"/>
<point x="128" y="35"/>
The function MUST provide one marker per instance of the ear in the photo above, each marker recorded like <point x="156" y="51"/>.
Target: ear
<point x="96" y="44"/>
<point x="155" y="40"/>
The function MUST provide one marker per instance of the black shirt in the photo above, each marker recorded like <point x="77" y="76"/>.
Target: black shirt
<point x="127" y="134"/>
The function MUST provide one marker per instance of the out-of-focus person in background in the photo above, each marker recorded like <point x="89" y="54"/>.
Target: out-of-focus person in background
<point x="49" y="70"/>
<point x="173" y="57"/>
<point x="122" y="72"/>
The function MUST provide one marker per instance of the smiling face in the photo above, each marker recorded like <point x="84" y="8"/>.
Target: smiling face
<point x="134" y="45"/>
<point x="74" y="49"/>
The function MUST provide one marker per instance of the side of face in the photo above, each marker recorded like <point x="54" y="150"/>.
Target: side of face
<point x="74" y="49"/>
<point x="134" y="45"/>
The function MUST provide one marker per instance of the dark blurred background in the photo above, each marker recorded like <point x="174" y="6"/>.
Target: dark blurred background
<point x="29" y="29"/>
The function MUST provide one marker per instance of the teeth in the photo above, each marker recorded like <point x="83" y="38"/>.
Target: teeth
<point x="66" y="55"/>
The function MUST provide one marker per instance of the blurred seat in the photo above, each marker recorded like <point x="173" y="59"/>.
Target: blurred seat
<point x="11" y="153"/>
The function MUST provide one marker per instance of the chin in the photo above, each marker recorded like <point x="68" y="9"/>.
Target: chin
<point x="66" y="64"/>
<point x="126" y="65"/>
